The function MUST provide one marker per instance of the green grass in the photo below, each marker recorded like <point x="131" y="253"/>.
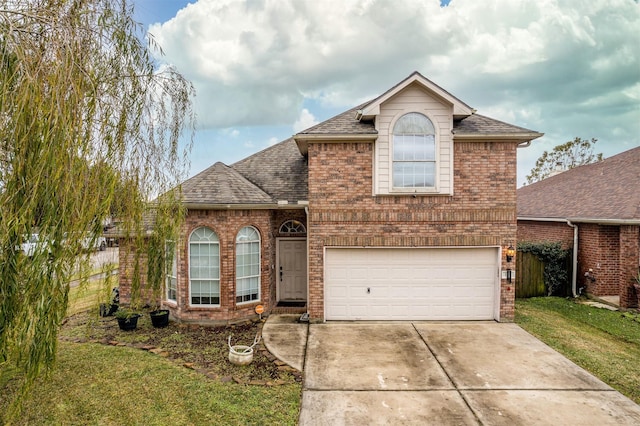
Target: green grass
<point x="604" y="342"/>
<point x="115" y="385"/>
<point x="89" y="294"/>
<point x="97" y="384"/>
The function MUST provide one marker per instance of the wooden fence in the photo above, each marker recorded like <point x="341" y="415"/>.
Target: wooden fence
<point x="530" y="276"/>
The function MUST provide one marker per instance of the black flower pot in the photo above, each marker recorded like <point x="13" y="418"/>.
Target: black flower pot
<point x="129" y="323"/>
<point x="160" y="318"/>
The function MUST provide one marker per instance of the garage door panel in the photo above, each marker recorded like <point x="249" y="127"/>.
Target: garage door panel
<point x="410" y="284"/>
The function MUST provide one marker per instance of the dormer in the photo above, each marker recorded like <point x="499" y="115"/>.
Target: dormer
<point x="414" y="149"/>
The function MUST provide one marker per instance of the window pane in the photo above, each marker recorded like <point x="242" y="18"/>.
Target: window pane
<point x="413" y="123"/>
<point x="204" y="267"/>
<point x="413" y="174"/>
<point x="247" y="265"/>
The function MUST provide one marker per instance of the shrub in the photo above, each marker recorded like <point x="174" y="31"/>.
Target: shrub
<point x="554" y="258"/>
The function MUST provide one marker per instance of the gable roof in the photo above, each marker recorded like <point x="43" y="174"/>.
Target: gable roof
<point x="280" y="171"/>
<point x="460" y="109"/>
<point x="606" y="192"/>
<point x="220" y="184"/>
<point x="278" y="175"/>
<point x="479" y="125"/>
<point x="358" y="123"/>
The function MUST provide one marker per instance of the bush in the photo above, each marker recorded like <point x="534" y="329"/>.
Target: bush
<point x="554" y="258"/>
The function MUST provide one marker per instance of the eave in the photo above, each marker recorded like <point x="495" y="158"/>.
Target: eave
<point x="459" y="108"/>
<point x="498" y="137"/>
<point x="228" y="206"/>
<point x="598" y="221"/>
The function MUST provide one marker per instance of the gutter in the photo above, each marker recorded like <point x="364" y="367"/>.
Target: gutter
<point x="270" y="206"/>
<point x="574" y="274"/>
<point x="582" y="220"/>
<point x="506" y="137"/>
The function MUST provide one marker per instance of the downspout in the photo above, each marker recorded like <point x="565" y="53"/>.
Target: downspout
<point x="574" y="274"/>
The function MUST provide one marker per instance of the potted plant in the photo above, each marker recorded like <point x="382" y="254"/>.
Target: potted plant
<point x="159" y="317"/>
<point x="127" y="319"/>
<point x="108" y="309"/>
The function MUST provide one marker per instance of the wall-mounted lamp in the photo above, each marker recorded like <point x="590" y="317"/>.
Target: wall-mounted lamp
<point x="510" y="252"/>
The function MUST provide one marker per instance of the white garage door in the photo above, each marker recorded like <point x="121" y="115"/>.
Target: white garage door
<point x="410" y="284"/>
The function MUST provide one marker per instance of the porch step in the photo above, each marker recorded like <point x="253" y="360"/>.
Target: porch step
<point x="289" y="309"/>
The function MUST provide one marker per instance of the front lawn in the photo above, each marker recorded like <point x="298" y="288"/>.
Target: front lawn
<point x="110" y="385"/>
<point x="179" y="375"/>
<point x="604" y="342"/>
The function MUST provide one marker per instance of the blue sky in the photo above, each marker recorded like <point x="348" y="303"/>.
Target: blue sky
<point x="265" y="69"/>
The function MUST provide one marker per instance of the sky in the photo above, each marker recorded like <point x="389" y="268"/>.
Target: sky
<point x="264" y="70"/>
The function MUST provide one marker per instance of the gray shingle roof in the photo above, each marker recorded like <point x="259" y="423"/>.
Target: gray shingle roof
<point x="280" y="171"/>
<point x="342" y="124"/>
<point x="220" y="184"/>
<point x="477" y="124"/>
<point x="474" y="125"/>
<point x="607" y="190"/>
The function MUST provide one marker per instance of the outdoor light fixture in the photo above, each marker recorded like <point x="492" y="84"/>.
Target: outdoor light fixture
<point x="510" y="252"/>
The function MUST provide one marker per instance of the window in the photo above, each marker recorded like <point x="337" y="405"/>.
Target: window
<point x="293" y="227"/>
<point x="247" y="265"/>
<point x="414" y="152"/>
<point x="172" y="270"/>
<point x="204" y="267"/>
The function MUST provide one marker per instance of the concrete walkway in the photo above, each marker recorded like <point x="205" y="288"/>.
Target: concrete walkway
<point x="471" y="373"/>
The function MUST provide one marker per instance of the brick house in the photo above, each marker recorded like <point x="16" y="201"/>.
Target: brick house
<point x="397" y="209"/>
<point x="594" y="209"/>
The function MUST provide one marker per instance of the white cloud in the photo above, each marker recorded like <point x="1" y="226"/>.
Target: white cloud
<point x="273" y="140"/>
<point x="304" y="121"/>
<point x="567" y="68"/>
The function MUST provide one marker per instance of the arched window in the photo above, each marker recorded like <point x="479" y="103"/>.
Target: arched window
<point x="247" y="265"/>
<point x="204" y="267"/>
<point x="414" y="152"/>
<point x="293" y="227"/>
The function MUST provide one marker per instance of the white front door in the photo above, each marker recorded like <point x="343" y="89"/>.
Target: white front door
<point x="292" y="269"/>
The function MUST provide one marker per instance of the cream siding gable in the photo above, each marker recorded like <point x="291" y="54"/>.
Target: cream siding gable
<point x="414" y="99"/>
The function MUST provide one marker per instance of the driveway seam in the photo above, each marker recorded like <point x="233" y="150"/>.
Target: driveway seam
<point x="466" y="402"/>
<point x="306" y="349"/>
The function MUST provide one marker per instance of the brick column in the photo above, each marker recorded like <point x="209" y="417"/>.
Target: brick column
<point x="629" y="260"/>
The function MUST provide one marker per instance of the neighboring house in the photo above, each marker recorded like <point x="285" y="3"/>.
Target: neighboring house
<point x="594" y="209"/>
<point x="397" y="209"/>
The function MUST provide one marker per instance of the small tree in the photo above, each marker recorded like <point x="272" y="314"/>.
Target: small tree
<point x="79" y="89"/>
<point x="564" y="157"/>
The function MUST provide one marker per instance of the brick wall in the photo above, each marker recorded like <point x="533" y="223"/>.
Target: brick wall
<point x="599" y="251"/>
<point x="629" y="264"/>
<point x="133" y="262"/>
<point x="226" y="224"/>
<point x="540" y="232"/>
<point x="343" y="211"/>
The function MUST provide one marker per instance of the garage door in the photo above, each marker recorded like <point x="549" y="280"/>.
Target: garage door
<point x="410" y="284"/>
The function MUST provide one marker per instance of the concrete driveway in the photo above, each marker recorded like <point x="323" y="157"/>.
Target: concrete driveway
<point x="448" y="374"/>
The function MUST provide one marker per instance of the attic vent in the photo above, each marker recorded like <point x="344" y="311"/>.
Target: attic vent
<point x="293" y="227"/>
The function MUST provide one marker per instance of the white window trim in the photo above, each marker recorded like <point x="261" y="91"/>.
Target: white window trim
<point x="170" y="269"/>
<point x="259" y="276"/>
<point x="203" y="305"/>
<point x="423" y="190"/>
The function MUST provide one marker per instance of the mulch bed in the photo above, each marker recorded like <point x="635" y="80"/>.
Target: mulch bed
<point x="201" y="348"/>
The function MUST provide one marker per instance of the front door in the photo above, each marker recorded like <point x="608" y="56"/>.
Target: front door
<point x="292" y="275"/>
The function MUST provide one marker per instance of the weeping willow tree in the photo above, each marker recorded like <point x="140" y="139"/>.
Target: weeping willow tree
<point x="89" y="126"/>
